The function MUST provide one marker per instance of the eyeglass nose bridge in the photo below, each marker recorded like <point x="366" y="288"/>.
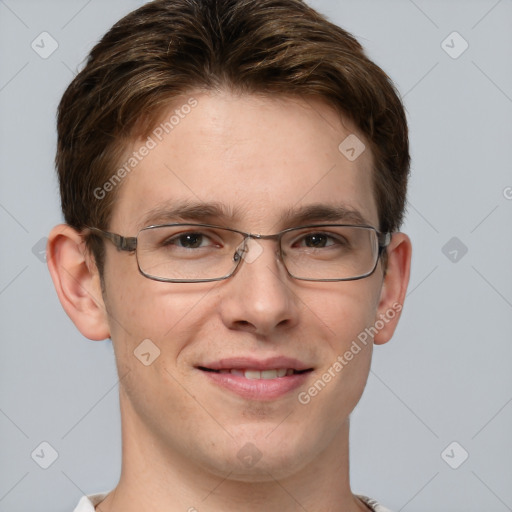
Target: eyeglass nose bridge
<point x="245" y="252"/>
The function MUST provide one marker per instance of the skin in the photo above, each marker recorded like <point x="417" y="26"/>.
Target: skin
<point x="180" y="433"/>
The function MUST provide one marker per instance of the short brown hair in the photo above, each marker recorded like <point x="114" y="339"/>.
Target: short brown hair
<point x="168" y="48"/>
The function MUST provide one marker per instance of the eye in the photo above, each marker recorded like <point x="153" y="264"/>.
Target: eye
<point x="190" y="240"/>
<point x="318" y="240"/>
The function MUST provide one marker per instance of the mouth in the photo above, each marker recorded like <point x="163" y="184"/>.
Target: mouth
<point x="254" y="379"/>
<point x="253" y="374"/>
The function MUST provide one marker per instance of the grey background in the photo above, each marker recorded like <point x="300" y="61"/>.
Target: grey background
<point x="446" y="374"/>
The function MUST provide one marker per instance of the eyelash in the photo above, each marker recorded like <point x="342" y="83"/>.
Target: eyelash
<point x="300" y="238"/>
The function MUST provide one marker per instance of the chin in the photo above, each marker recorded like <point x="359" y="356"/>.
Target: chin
<point x="267" y="469"/>
<point x="261" y="458"/>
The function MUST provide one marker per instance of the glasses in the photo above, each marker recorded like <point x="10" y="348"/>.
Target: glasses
<point x="192" y="253"/>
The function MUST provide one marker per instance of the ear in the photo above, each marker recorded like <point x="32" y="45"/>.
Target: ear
<point x="77" y="282"/>
<point x="394" y="287"/>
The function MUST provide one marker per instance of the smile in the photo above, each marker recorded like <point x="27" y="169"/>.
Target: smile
<point x="257" y="374"/>
<point x="256" y="380"/>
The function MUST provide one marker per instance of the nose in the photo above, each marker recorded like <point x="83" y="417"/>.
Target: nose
<point x="259" y="297"/>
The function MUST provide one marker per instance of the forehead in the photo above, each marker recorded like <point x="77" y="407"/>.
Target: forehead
<point x="258" y="159"/>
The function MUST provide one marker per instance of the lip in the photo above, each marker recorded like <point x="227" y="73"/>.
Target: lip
<point x="256" y="389"/>
<point x="238" y="363"/>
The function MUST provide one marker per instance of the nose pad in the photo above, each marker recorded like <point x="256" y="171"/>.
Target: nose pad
<point x="250" y="250"/>
<point x="238" y="255"/>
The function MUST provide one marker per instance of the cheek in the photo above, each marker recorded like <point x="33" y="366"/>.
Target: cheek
<point x="345" y="313"/>
<point x="150" y="329"/>
<point x="142" y="309"/>
<point x="152" y="394"/>
<point x="343" y="310"/>
<point x="347" y="365"/>
<point x="340" y="382"/>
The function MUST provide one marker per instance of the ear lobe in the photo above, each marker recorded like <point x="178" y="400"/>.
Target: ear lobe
<point x="76" y="280"/>
<point x="394" y="287"/>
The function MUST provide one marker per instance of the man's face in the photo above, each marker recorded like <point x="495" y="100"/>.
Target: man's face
<point x="261" y="158"/>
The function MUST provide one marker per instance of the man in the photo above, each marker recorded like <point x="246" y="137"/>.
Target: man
<point x="194" y="124"/>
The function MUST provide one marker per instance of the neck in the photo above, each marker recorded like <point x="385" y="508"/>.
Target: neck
<point x="159" y="478"/>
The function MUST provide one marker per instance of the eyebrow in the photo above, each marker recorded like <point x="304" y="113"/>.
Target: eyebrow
<point x="216" y="212"/>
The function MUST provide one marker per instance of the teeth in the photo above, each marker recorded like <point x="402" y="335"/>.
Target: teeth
<point x="252" y="374"/>
<point x="265" y="374"/>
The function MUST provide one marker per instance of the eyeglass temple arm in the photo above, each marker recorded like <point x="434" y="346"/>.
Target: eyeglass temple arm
<point x="384" y="239"/>
<point x="122" y="243"/>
